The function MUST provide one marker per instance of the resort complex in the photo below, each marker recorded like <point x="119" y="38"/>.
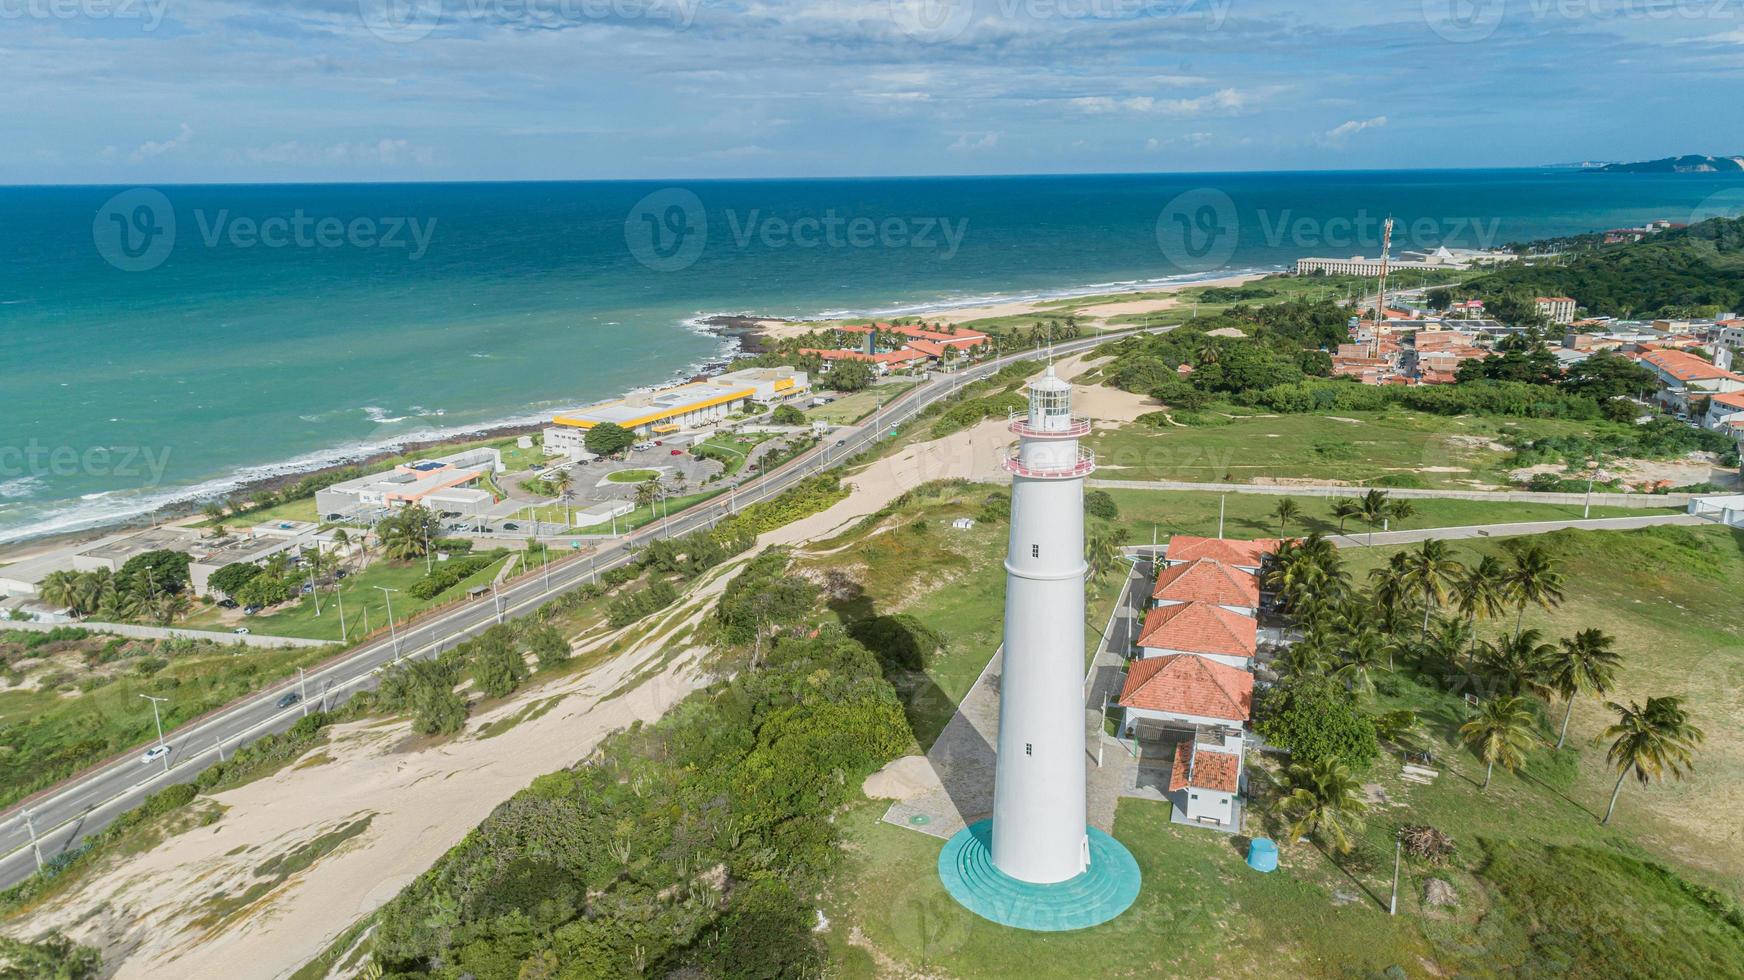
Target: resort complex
<point x="665" y="411"/>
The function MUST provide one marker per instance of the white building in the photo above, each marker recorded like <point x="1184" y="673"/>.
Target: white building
<point x="446" y="484"/>
<point x="1208" y="580"/>
<point x="1558" y="309"/>
<point x="1040" y="811"/>
<point x="666" y="411"/>
<point x="1204" y="706"/>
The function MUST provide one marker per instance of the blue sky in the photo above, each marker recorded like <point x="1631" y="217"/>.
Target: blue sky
<point x="132" y="91"/>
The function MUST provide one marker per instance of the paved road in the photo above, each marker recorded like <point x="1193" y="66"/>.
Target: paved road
<point x="1508" y="530"/>
<point x="85" y="804"/>
<point x="1641" y="500"/>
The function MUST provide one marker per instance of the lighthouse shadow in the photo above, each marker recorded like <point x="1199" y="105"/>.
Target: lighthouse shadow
<point x="958" y="739"/>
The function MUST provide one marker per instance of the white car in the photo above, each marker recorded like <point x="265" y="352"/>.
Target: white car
<point x="154" y="753"/>
<point x="240" y="631"/>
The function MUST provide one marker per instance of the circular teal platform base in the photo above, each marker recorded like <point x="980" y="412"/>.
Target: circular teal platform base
<point x="1094" y="897"/>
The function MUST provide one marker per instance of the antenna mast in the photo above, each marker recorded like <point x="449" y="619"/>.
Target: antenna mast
<point x="1381" y="298"/>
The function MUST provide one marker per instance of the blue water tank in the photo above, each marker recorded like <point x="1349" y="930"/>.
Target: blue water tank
<point x="1262" y="854"/>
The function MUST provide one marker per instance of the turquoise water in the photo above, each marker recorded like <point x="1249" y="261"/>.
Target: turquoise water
<point x="435" y="308"/>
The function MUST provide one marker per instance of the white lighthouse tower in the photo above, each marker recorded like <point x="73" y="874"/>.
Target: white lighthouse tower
<point x="1039" y="826"/>
<point x="1037" y="864"/>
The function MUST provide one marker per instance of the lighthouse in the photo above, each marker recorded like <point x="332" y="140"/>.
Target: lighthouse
<point x="1037" y="864"/>
<point x="1039" y="827"/>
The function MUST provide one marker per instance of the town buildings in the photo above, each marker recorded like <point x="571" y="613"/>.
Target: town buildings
<point x="449" y="483"/>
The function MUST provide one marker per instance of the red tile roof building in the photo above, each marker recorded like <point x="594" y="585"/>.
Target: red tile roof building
<point x="1207" y="580"/>
<point x="1189" y="686"/>
<point x="1202" y="628"/>
<point x="1200" y="768"/>
<point x="1247" y="555"/>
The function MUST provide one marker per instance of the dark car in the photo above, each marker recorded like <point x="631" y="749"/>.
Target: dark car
<point x="250" y="610"/>
<point x="511" y="526"/>
<point x="289" y="699"/>
<point x="341" y="573"/>
<point x="226" y="603"/>
<point x="335" y="517"/>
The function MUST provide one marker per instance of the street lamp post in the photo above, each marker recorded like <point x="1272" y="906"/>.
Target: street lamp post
<point x="303" y="690"/>
<point x="35" y="847"/>
<point x="1592" y="473"/>
<point x="395" y="636"/>
<point x="158" y="719"/>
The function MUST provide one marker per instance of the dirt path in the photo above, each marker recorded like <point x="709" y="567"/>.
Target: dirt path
<point x="209" y="902"/>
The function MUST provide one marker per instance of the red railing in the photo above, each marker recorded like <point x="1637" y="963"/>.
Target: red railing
<point x="1084" y="465"/>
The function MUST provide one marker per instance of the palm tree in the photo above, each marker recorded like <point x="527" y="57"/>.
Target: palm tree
<point x="1285" y="512"/>
<point x="61" y="588"/>
<point x="1482" y="591"/>
<point x="1324" y="800"/>
<point x="1650" y="742"/>
<point x="1584" y="662"/>
<point x="1429" y="571"/>
<point x="168" y="607"/>
<point x="1102" y="551"/>
<point x="647" y="490"/>
<point x="1534" y="579"/>
<point x="1362" y="657"/>
<point x="1516" y="665"/>
<point x="1389" y="588"/>
<point x="1501" y="732"/>
<point x="1400" y="511"/>
<point x="1344" y="509"/>
<point x="1373" y="508"/>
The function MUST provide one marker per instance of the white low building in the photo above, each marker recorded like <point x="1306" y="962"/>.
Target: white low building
<point x="1201" y="629"/>
<point x="1199" y="708"/>
<point x="433" y="483"/>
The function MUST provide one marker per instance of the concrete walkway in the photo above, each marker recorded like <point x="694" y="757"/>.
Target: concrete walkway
<point x="140" y="632"/>
<point x="1510" y="530"/>
<point x="1645" y="501"/>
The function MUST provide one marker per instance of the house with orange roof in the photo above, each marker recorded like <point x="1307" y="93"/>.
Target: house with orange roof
<point x="1245" y="555"/>
<point x="1205" y="785"/>
<point x="1203" y="707"/>
<point x="1725" y="412"/>
<point x="1684" y="377"/>
<point x="1208" y="580"/>
<point x="1202" y="629"/>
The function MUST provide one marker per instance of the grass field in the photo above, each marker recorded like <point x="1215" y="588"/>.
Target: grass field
<point x="912" y="561"/>
<point x="1396" y="448"/>
<point x="365" y="605"/>
<point x="1542" y="888"/>
<point x="1247" y="515"/>
<point x="632" y="476"/>
<point x="730" y="450"/>
<point x="850" y="408"/>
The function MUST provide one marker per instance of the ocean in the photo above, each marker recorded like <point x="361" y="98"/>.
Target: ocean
<point x="161" y="344"/>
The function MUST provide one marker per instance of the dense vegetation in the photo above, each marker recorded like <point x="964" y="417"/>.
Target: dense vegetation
<point x="1694" y="271"/>
<point x="694" y="843"/>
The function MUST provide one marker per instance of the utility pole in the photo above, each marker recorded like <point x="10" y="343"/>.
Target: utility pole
<point x="35" y="847"/>
<point x="218" y="744"/>
<point x="313" y="591"/>
<point x="159" y="720"/>
<point x="1398" y="845"/>
<point x="303" y="691"/>
<point x="391" y="633"/>
<point x="1592" y="473"/>
<point x="340" y="598"/>
<point x="1221" y="500"/>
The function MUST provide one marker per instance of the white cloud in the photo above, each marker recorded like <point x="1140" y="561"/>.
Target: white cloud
<point x="968" y="142"/>
<point x="1224" y="101"/>
<point x="383" y="152"/>
<point x="157" y="148"/>
<point x="1345" y="130"/>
